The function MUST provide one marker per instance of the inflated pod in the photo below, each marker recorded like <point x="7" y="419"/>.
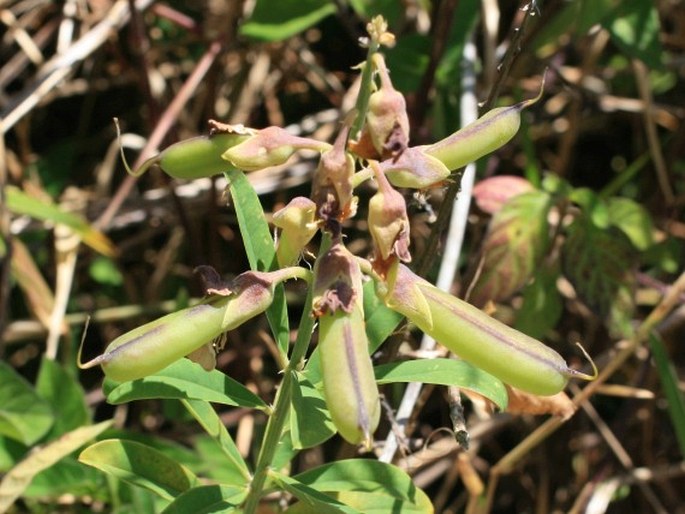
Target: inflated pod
<point x="193" y="158"/>
<point x="349" y="385"/>
<point x="489" y="132"/>
<point x="153" y="346"/>
<point x="511" y="356"/>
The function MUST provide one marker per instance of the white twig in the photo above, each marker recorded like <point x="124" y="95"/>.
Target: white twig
<point x="453" y="245"/>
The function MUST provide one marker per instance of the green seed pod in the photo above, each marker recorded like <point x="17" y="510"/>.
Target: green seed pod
<point x="349" y="384"/>
<point x="151" y="347"/>
<point x="192" y="158"/>
<point x="511" y="356"/>
<point x="489" y="132"/>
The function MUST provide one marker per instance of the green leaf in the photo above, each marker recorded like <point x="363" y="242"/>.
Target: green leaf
<point x="448" y="372"/>
<point x="310" y="422"/>
<point x="24" y="415"/>
<point x="233" y="464"/>
<point x="139" y="465"/>
<point x="371" y="503"/>
<point x="276" y="21"/>
<point x="578" y="17"/>
<point x="67" y="476"/>
<point x="391" y="10"/>
<point x="634" y="27"/>
<point x="368" y="486"/>
<point x="19" y="477"/>
<point x="633" y="220"/>
<point x="671" y="384"/>
<point x="207" y="499"/>
<point x="260" y="249"/>
<point x="21" y="203"/>
<point x="542" y="305"/>
<point x="517" y="239"/>
<point x="185" y="380"/>
<point x="104" y="271"/>
<point x="66" y="396"/>
<point x="408" y="60"/>
<point x="599" y="263"/>
<point x="381" y="321"/>
<point x="317" y="501"/>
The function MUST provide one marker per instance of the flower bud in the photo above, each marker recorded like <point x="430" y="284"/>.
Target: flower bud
<point x="269" y="147"/>
<point x="151" y="347"/>
<point x="297" y="222"/>
<point x="388" y="221"/>
<point x="511" y="356"/>
<point x="349" y="385"/>
<point x="415" y="169"/>
<point x="193" y="158"/>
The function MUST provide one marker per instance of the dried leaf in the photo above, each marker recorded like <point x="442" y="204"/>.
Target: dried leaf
<point x="521" y="402"/>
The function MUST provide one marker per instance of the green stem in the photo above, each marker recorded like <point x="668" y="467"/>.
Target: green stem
<point x="274" y="427"/>
<point x="364" y="89"/>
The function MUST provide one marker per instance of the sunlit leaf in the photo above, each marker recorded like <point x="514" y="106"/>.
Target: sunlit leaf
<point x="260" y="249"/>
<point x="448" y="372"/>
<point x="24" y="415"/>
<point x="634" y="27"/>
<point x="19" y="477"/>
<point x="20" y="203"/>
<point x="186" y="380"/>
<point x="310" y="422"/>
<point x="517" y="239"/>
<point x="633" y="220"/>
<point x="314" y="499"/>
<point x="139" y="465"/>
<point x="207" y="499"/>
<point x="366" y="485"/>
<point x="276" y="21"/>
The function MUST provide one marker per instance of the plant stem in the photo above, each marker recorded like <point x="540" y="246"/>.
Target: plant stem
<point x="274" y="427"/>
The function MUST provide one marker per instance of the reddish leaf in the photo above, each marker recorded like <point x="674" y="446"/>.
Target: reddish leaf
<point x="492" y="193"/>
<point x="517" y="238"/>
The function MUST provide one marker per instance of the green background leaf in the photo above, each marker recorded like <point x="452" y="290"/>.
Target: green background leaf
<point x="139" y="465"/>
<point x="24" y="415"/>
<point x="447" y="372"/>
